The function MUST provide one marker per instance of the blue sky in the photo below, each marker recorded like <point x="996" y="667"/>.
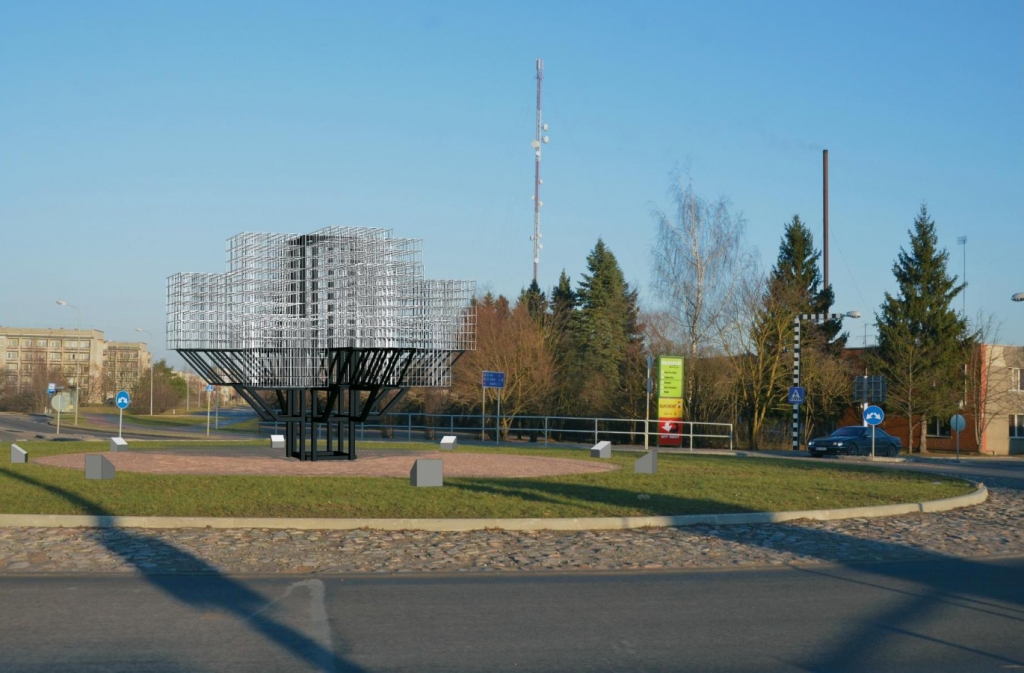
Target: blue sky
<point x="135" y="138"/>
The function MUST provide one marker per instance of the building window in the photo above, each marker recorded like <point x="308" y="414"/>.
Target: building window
<point x="938" y="427"/>
<point x="11" y="355"/>
<point x="55" y="356"/>
<point x="54" y="344"/>
<point x="1017" y="425"/>
<point x="1015" y="379"/>
<point x="12" y="367"/>
<point x="12" y="343"/>
<point x="40" y="343"/>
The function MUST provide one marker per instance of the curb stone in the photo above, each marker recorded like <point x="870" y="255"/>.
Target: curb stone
<point x="597" y="523"/>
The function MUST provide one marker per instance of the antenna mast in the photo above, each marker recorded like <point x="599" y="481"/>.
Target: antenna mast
<point x="537" y="182"/>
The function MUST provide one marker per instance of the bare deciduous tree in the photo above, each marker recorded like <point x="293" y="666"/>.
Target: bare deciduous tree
<point x="754" y="342"/>
<point x="514" y="343"/>
<point x="699" y="264"/>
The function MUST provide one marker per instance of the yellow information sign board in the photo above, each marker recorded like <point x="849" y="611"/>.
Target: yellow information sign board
<point x="670" y="376"/>
<point x="671" y="407"/>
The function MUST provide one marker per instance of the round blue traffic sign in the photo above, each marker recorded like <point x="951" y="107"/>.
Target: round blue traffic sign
<point x="957" y="423"/>
<point x="874" y="415"/>
<point x="122" y="399"/>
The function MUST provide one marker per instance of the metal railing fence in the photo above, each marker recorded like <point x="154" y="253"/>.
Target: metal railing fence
<point x="535" y="429"/>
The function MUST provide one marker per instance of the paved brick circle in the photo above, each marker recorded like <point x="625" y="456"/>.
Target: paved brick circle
<point x="455" y="465"/>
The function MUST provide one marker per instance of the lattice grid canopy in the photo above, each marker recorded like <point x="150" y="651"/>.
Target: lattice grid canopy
<point x="287" y="300"/>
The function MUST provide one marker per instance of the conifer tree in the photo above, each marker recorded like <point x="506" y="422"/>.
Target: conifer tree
<point x="922" y="341"/>
<point x="535" y="302"/>
<point x="797" y="278"/>
<point x="603" y="328"/>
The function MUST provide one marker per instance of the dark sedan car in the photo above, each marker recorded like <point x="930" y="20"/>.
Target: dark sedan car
<point x="855" y="440"/>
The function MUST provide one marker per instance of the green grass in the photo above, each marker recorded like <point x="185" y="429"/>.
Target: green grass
<point x="684" y="484"/>
<point x="170" y="421"/>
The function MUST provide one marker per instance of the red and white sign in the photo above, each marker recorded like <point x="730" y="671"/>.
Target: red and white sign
<point x="669" y="432"/>
<point x="670" y="421"/>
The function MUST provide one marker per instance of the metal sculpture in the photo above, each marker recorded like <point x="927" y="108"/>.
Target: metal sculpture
<point x="321" y="329"/>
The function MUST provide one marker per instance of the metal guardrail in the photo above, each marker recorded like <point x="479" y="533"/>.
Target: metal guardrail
<point x="540" y="429"/>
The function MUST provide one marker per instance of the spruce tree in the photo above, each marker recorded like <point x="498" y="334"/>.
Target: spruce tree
<point x="921" y="338"/>
<point x="562" y="343"/>
<point x="535" y="301"/>
<point x="603" y="330"/>
<point x="794" y="288"/>
<point x="797" y="278"/>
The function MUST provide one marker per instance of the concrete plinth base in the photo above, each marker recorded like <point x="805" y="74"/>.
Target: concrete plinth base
<point x="601" y="450"/>
<point x="646" y="464"/>
<point x="98" y="467"/>
<point x="427" y="472"/>
<point x="18" y="454"/>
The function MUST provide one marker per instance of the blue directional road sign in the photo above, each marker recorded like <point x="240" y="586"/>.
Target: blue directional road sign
<point x="494" y="380"/>
<point x="122" y="399"/>
<point x="51" y="389"/>
<point x="797" y="395"/>
<point x="874" y="415"/>
<point x="209" y="387"/>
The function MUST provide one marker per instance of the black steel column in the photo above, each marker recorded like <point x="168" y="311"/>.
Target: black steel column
<point x="353" y="404"/>
<point x="314" y="410"/>
<point x="302" y="424"/>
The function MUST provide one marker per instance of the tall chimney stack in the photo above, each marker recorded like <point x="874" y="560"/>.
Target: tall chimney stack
<point x="824" y="159"/>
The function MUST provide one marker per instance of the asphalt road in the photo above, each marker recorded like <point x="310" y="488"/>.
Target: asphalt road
<point x="945" y="615"/>
<point x="15" y="427"/>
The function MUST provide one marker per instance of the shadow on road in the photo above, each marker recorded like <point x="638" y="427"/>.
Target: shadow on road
<point x="216" y="592"/>
<point x="978" y="586"/>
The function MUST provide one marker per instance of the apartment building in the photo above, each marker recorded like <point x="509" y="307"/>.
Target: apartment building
<point x="35" y="356"/>
<point x="124" y="363"/>
<point x="993" y="406"/>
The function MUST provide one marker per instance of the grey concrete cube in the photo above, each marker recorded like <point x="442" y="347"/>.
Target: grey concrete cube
<point x="427" y="472"/>
<point x="601" y="450"/>
<point x="277" y="441"/>
<point x="449" y="443"/>
<point x="118" y="444"/>
<point x="647" y="463"/>
<point x="98" y="467"/>
<point x="18" y="454"/>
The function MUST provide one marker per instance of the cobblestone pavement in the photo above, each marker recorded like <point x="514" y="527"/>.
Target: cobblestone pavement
<point x="993" y="528"/>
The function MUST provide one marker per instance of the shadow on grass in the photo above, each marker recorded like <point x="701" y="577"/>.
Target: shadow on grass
<point x="216" y="590"/>
<point x="557" y="493"/>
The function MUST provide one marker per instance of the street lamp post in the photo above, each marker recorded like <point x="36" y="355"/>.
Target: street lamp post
<point x="818" y="318"/>
<point x="146" y="332"/>
<point x="78" y="378"/>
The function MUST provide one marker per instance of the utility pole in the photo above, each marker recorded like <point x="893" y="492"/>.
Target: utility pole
<point x="824" y="210"/>
<point x="962" y="240"/>
<point x="537" y="182"/>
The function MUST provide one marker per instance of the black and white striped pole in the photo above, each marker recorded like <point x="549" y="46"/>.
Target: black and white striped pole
<point x="818" y="318"/>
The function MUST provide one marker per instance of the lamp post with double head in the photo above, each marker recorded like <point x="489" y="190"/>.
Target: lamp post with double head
<point x="78" y="382"/>
<point x="147" y="333"/>
<point x="818" y="318"/>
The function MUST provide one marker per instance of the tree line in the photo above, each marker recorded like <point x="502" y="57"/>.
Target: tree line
<point x="29" y="393"/>
<point x="580" y="349"/>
